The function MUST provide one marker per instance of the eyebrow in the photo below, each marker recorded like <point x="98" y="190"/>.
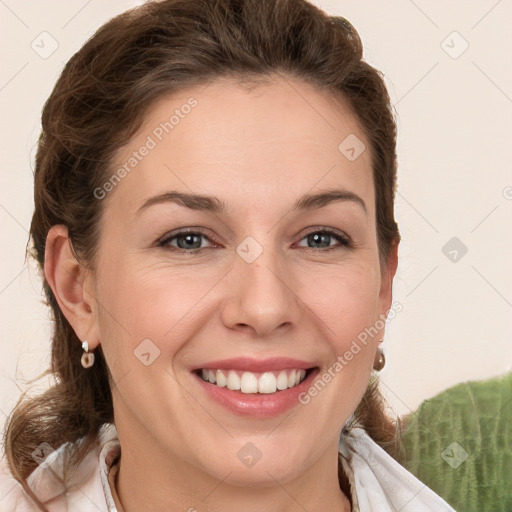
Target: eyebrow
<point x="217" y="206"/>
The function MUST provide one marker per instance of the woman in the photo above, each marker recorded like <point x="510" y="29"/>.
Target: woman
<point x="214" y="194"/>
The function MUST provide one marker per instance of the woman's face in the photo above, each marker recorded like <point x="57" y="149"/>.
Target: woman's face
<point x="266" y="280"/>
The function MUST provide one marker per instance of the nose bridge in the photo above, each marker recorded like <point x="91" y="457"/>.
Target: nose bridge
<point x="262" y="292"/>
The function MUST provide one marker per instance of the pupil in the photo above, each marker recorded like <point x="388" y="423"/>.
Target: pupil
<point x="189" y="240"/>
<point x="317" y="237"/>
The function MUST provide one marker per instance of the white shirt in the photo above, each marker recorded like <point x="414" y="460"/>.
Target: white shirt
<point x="378" y="483"/>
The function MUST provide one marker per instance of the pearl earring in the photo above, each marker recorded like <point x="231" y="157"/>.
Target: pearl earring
<point x="87" y="357"/>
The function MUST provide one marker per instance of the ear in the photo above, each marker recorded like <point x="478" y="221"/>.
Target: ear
<point x="388" y="274"/>
<point x="67" y="279"/>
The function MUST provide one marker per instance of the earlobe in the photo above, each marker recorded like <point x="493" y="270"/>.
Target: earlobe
<point x="66" y="279"/>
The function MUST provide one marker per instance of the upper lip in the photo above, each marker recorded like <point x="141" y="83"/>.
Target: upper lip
<point x="249" y="364"/>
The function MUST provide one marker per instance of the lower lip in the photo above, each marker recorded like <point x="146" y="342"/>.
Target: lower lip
<point x="257" y="404"/>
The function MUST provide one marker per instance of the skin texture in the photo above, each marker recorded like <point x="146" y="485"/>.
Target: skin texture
<point x="257" y="150"/>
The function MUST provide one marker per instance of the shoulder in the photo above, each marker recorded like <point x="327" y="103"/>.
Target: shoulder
<point x="80" y="489"/>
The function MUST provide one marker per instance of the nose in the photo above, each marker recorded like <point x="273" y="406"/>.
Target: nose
<point x="262" y="296"/>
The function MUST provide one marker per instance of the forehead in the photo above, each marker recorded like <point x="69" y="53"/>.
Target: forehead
<point x="262" y="144"/>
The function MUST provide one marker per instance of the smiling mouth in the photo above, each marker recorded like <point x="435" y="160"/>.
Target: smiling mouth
<point x="254" y="382"/>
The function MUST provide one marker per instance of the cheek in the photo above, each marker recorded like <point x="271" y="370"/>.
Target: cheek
<point x="348" y="310"/>
<point x="138" y="304"/>
<point x="347" y="301"/>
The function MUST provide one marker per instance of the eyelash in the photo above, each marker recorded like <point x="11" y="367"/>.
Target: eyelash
<point x="344" y="241"/>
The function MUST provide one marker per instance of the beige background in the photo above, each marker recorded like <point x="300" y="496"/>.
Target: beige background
<point x="454" y="109"/>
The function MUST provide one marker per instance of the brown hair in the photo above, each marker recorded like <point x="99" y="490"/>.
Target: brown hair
<point x="99" y="103"/>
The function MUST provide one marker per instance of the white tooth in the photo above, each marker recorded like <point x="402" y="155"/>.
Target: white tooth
<point x="205" y="374"/>
<point x="282" y="380"/>
<point x="267" y="383"/>
<point x="221" y="379"/>
<point x="233" y="381"/>
<point x="248" y="383"/>
<point x="291" y="378"/>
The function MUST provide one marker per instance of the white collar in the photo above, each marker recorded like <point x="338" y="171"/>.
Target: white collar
<point x="379" y="483"/>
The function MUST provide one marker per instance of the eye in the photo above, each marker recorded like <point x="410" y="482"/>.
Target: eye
<point x="323" y="237"/>
<point x="186" y="241"/>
